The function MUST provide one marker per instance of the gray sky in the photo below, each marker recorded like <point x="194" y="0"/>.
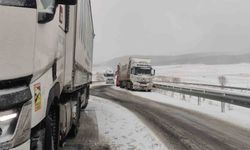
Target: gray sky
<point x="169" y="27"/>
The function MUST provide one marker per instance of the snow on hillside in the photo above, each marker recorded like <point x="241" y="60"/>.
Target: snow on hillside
<point x="237" y="74"/>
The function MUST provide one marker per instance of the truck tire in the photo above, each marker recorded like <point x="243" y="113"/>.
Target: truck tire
<point x="123" y="84"/>
<point x="76" y="122"/>
<point x="48" y="144"/>
<point x="73" y="131"/>
<point x="52" y="130"/>
<point x="129" y="85"/>
<point x="85" y="104"/>
<point x="85" y="96"/>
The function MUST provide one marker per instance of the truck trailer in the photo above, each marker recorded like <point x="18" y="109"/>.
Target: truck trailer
<point x="135" y="74"/>
<point x="46" y="51"/>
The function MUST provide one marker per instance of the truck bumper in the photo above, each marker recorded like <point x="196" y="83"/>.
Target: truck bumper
<point x="142" y="87"/>
<point x="24" y="146"/>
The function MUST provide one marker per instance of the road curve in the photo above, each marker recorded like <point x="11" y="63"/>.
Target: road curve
<point x="179" y="128"/>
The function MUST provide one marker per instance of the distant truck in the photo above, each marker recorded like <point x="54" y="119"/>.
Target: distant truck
<point x="109" y="77"/>
<point x="135" y="74"/>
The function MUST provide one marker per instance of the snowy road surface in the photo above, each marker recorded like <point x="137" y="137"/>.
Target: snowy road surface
<point x="106" y="125"/>
<point x="180" y="128"/>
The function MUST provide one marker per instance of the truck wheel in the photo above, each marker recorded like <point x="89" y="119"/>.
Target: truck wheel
<point x="123" y="85"/>
<point x="52" y="130"/>
<point x="85" y="104"/>
<point x="129" y="85"/>
<point x="73" y="131"/>
<point x="76" y="122"/>
<point x="85" y="98"/>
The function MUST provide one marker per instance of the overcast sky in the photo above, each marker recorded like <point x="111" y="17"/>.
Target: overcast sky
<point x="169" y="27"/>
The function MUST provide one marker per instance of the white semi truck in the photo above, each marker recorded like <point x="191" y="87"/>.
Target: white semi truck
<point x="135" y="74"/>
<point x="46" y="49"/>
<point x="109" y="76"/>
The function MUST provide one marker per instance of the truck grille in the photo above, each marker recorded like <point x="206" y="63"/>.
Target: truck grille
<point x="22" y="81"/>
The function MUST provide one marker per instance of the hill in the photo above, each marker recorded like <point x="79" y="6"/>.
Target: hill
<point x="194" y="58"/>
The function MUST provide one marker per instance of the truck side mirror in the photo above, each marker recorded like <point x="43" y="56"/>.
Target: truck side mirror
<point x="46" y="10"/>
<point x="44" y="17"/>
<point x="67" y="2"/>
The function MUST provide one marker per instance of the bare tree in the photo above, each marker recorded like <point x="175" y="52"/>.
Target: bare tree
<point x="222" y="81"/>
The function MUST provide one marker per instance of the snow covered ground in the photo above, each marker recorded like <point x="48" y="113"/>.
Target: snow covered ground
<point x="237" y="74"/>
<point x="121" y="129"/>
<point x="234" y="114"/>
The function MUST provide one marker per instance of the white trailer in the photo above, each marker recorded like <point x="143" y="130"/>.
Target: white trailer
<point x="135" y="74"/>
<point x="46" y="51"/>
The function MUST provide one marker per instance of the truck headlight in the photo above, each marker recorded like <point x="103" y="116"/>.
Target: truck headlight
<point x="15" y="126"/>
<point x="8" y="121"/>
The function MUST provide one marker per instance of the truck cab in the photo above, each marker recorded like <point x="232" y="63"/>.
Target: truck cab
<point x="46" y="49"/>
<point x="135" y="74"/>
<point x="109" y="77"/>
<point x="141" y="74"/>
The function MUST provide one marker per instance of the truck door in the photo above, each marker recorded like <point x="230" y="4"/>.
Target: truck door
<point x="49" y="51"/>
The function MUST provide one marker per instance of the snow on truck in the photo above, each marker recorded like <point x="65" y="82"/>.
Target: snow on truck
<point x="46" y="49"/>
<point x="135" y="74"/>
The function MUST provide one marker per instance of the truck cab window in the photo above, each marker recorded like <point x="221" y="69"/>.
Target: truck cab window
<point x="139" y="70"/>
<point x="19" y="3"/>
<point x="47" y="6"/>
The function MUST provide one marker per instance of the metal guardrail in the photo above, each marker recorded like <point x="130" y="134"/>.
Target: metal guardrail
<point x="212" y="85"/>
<point x="236" y="99"/>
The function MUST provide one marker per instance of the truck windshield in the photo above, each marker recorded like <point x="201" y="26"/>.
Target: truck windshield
<point x="109" y="75"/>
<point x="19" y="3"/>
<point x="139" y="70"/>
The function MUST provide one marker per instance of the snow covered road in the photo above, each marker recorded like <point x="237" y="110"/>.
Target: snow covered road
<point x="180" y="128"/>
<point x="106" y="125"/>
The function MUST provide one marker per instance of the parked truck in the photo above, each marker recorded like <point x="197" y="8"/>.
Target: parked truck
<point x="109" y="76"/>
<point x="135" y="74"/>
<point x="46" y="49"/>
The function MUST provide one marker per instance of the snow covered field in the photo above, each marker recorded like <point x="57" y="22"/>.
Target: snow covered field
<point x="121" y="129"/>
<point x="237" y="74"/>
<point x="234" y="114"/>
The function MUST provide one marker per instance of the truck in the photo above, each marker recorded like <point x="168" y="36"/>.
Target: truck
<point x="109" y="76"/>
<point x="46" y="52"/>
<point x="135" y="74"/>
